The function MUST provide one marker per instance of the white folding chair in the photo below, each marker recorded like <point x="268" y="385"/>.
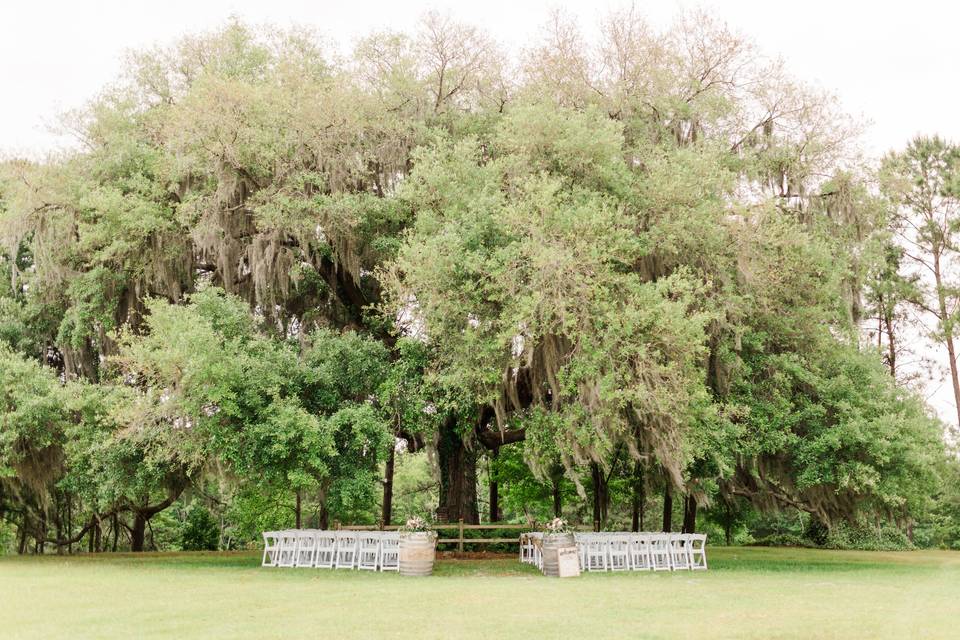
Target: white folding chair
<point x="326" y="553"/>
<point x="526" y="548"/>
<point x="306" y="548"/>
<point x="618" y="551"/>
<point x="660" y="552"/>
<point x="271" y="549"/>
<point x="596" y="552"/>
<point x="581" y="541"/>
<point x="390" y="551"/>
<point x="537" y="539"/>
<point x="697" y="551"/>
<point x="368" y="550"/>
<point x="346" y="549"/>
<point x="288" y="548"/>
<point x="640" y="552"/>
<point x="679" y="551"/>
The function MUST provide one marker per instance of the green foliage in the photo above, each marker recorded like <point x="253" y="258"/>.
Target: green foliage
<point x="268" y="263"/>
<point x="940" y="528"/>
<point x="522" y="260"/>
<point x="868" y="538"/>
<point x="8" y="536"/>
<point x="784" y="540"/>
<point x="200" y="531"/>
<point x="32" y="421"/>
<point x="847" y="436"/>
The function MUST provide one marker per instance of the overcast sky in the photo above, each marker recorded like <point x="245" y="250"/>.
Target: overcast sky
<point x="895" y="64"/>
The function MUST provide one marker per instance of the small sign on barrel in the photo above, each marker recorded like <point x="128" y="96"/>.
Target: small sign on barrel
<point x="568" y="562"/>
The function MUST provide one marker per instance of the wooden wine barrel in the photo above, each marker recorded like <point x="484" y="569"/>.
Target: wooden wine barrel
<point x="417" y="552"/>
<point x="552" y="542"/>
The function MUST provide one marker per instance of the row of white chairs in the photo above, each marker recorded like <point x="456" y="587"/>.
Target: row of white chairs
<point x="627" y="551"/>
<point x="370" y="550"/>
<point x="531" y="544"/>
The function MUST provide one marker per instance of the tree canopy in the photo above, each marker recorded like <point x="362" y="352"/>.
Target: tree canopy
<point x="637" y="262"/>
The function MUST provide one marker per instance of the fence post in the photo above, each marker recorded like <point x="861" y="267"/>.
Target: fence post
<point x="460" y="543"/>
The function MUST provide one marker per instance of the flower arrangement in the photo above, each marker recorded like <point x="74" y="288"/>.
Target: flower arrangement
<point x="416" y="524"/>
<point x="556" y="526"/>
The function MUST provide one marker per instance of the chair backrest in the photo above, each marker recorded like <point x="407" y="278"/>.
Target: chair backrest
<point x="618" y="543"/>
<point x="390" y="538"/>
<point x="306" y="538"/>
<point x="597" y="541"/>
<point x="326" y="539"/>
<point x="369" y="540"/>
<point x="287" y="547"/>
<point x="347" y="538"/>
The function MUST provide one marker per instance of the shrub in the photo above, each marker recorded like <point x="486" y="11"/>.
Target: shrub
<point x="783" y="540"/>
<point x="8" y="538"/>
<point x="200" y="532"/>
<point x="817" y="532"/>
<point x="867" y="538"/>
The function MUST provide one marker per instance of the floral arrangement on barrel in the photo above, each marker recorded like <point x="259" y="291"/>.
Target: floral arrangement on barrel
<point x="417" y="524"/>
<point x="556" y="527"/>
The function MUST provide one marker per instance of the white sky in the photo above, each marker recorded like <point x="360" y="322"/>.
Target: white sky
<point x="893" y="63"/>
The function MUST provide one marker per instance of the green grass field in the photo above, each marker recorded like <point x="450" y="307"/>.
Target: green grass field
<point x="747" y="593"/>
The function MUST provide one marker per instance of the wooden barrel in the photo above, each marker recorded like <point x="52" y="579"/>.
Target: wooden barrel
<point x="552" y="542"/>
<point x="417" y="553"/>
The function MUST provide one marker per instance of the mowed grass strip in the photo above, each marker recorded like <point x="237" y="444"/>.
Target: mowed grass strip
<point x="747" y="593"/>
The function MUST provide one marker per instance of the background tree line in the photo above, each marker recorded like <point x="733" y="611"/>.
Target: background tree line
<point x="616" y="280"/>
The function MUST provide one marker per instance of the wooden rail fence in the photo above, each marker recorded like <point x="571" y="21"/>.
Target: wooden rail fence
<point x="460" y="528"/>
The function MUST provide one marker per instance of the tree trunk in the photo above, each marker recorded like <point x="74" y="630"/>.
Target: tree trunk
<point x="299" y="512"/>
<point x="42" y="538"/>
<point x="141" y="517"/>
<point x="881" y="313"/>
<point x="891" y="343"/>
<point x="58" y="527"/>
<point x="557" y="497"/>
<point x="494" y="487"/>
<point x="22" y="547"/>
<point x="689" y="515"/>
<point x="667" y="509"/>
<point x="387" y="512"/>
<point x="954" y="376"/>
<point x="458" y="476"/>
<point x="138" y="533"/>
<point x="727" y="523"/>
<point x="116" y="531"/>
<point x="947" y="321"/>
<point x="98" y="536"/>
<point x="599" y="496"/>
<point x="70" y="522"/>
<point x="639" y="497"/>
<point x="324" y="515"/>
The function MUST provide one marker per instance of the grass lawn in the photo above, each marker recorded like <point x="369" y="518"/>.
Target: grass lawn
<point x="747" y="593"/>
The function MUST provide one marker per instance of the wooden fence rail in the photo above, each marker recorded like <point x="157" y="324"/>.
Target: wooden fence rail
<point x="460" y="528"/>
